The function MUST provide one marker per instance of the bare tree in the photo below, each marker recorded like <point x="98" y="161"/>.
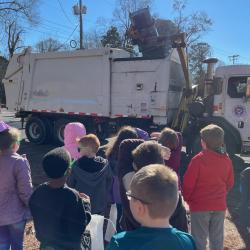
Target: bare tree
<point x="197" y="54"/>
<point x="121" y="16"/>
<point x="194" y="24"/>
<point x="92" y="39"/>
<point x="24" y="8"/>
<point x="13" y="14"/>
<point x="14" y="33"/>
<point x="49" y="45"/>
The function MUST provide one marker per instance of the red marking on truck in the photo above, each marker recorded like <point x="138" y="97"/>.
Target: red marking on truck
<point x="216" y="108"/>
<point x="90" y="114"/>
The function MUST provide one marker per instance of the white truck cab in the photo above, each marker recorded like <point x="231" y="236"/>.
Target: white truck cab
<point x="232" y="101"/>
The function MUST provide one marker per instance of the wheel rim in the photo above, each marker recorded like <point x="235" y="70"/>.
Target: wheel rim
<point x="35" y="131"/>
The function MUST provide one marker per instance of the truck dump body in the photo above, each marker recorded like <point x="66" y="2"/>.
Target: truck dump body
<point x="102" y="88"/>
<point x="103" y="82"/>
<point x="63" y="82"/>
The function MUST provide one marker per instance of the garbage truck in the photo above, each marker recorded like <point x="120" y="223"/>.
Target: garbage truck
<point x="106" y="88"/>
<point x="103" y="88"/>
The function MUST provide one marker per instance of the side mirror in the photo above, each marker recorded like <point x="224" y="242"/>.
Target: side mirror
<point x="248" y="88"/>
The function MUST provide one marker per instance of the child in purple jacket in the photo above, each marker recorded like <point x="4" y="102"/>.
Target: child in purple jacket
<point x="15" y="189"/>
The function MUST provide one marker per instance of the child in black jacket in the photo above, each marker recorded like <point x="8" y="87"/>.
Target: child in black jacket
<point x="60" y="213"/>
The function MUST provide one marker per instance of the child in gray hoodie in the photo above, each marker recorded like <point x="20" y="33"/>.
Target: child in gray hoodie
<point x="91" y="174"/>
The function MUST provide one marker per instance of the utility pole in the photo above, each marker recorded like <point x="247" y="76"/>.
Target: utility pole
<point x="233" y="58"/>
<point x="81" y="31"/>
<point x="80" y="10"/>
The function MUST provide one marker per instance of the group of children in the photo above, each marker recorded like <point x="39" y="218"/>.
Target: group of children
<point x="137" y="172"/>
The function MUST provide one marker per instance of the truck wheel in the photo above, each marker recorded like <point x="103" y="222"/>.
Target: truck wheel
<point x="231" y="147"/>
<point x="59" y="131"/>
<point x="37" y="130"/>
<point x="196" y="145"/>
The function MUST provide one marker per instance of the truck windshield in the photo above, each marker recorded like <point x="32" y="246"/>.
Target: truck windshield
<point x="237" y="86"/>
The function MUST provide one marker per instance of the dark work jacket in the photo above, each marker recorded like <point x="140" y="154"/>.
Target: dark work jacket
<point x="93" y="177"/>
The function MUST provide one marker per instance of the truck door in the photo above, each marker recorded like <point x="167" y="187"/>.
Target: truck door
<point x="237" y="107"/>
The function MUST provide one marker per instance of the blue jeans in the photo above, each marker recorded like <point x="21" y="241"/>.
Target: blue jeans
<point x="12" y="236"/>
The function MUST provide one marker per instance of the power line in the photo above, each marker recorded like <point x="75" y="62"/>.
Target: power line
<point x="226" y="53"/>
<point x="50" y="22"/>
<point x="64" y="12"/>
<point x="71" y="34"/>
<point x="53" y="28"/>
<point x="44" y="32"/>
<point x="57" y="24"/>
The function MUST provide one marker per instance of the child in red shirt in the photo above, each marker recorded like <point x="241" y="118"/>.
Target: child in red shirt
<point x="206" y="182"/>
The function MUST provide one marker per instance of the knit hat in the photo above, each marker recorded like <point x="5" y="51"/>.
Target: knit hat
<point x="142" y="134"/>
<point x="56" y="162"/>
<point x="72" y="131"/>
<point x="3" y="126"/>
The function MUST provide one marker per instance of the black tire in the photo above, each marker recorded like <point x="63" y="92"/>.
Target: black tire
<point x="37" y="130"/>
<point x="196" y="145"/>
<point x="231" y="147"/>
<point x="58" y="135"/>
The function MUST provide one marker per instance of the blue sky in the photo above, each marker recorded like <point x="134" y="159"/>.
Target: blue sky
<point x="230" y="33"/>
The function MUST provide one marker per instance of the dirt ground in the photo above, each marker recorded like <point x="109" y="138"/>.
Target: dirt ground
<point x="236" y="237"/>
